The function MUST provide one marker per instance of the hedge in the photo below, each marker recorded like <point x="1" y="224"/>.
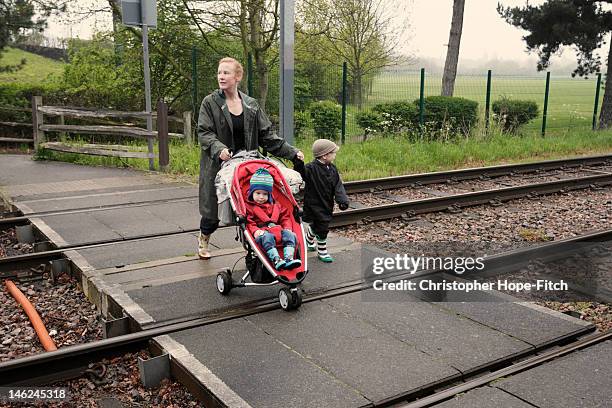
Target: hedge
<point x="512" y="114"/>
<point x="326" y="119"/>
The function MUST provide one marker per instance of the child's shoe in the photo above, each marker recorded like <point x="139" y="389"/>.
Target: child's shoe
<point x="291" y="263"/>
<point x="322" y="251"/>
<point x="276" y="259"/>
<point x="310" y="240"/>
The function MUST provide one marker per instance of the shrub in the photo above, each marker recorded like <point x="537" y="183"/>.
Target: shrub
<point x="450" y="113"/>
<point x="396" y="116"/>
<point x="512" y="114"/>
<point x="369" y="121"/>
<point x="326" y="119"/>
<point x="301" y="121"/>
<point x="20" y="95"/>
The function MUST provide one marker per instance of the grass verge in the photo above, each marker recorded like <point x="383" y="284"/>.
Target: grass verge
<point x="390" y="156"/>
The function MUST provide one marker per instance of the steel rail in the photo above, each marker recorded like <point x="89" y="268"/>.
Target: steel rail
<point x="387" y="183"/>
<point x="351" y="216"/>
<point x="65" y="362"/>
<point x="511" y="370"/>
<point x="428" y="205"/>
<point x="376" y="184"/>
<point x="24" y="261"/>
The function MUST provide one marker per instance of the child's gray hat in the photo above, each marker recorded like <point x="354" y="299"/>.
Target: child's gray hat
<point x="323" y="146"/>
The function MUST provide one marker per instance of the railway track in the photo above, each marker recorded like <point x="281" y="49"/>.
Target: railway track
<point x="389" y="183"/>
<point x="49" y="367"/>
<point x="73" y="360"/>
<point x="518" y="367"/>
<point x="406" y="209"/>
<point x="370" y="185"/>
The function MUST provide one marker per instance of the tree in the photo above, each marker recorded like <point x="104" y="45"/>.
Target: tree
<point x="356" y="31"/>
<point x="254" y="22"/>
<point x="579" y="23"/>
<point x="452" y="54"/>
<point x="16" y="16"/>
<point x="120" y="81"/>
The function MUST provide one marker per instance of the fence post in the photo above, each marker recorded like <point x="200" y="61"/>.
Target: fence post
<point x="162" y="135"/>
<point x="343" y="133"/>
<point x="250" y="73"/>
<point x="422" y="99"/>
<point x="37" y="121"/>
<point x="194" y="78"/>
<point x="545" y="103"/>
<point x="596" y="101"/>
<point x="488" y="100"/>
<point x="188" y="136"/>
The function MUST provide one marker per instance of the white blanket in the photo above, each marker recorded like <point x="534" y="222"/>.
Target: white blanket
<point x="223" y="181"/>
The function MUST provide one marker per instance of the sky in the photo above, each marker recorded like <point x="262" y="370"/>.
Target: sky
<point x="485" y="35"/>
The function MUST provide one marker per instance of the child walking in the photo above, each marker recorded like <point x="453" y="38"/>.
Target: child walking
<point x="323" y="186"/>
<point x="269" y="222"/>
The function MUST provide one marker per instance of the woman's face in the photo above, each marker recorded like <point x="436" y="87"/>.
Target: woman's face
<point x="227" y="77"/>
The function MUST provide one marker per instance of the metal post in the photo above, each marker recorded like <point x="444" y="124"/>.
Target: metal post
<point x="162" y="135"/>
<point x="344" y="72"/>
<point x="147" y="81"/>
<point x="194" y="78"/>
<point x="287" y="36"/>
<point x="488" y="100"/>
<point x="250" y="73"/>
<point x="422" y="99"/>
<point x="545" y="103"/>
<point x="596" y="101"/>
<point x="37" y="121"/>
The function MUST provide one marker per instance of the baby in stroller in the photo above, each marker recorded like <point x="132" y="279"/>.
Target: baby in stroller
<point x="269" y="222"/>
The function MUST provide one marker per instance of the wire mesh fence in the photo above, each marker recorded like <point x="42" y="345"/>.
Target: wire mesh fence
<point x="571" y="103"/>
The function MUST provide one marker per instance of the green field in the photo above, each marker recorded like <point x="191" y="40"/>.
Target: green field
<point x="570" y="104"/>
<point x="37" y="69"/>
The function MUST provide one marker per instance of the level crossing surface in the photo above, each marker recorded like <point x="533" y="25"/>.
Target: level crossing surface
<point x="339" y="351"/>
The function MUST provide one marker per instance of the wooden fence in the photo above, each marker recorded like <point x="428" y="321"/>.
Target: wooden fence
<point x="16" y="125"/>
<point x="39" y="128"/>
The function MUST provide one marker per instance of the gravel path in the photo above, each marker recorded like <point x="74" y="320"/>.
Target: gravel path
<point x="119" y="384"/>
<point x="66" y="312"/>
<point x="487" y="229"/>
<point x="517" y="221"/>
<point x="458" y="187"/>
<point x="9" y="245"/>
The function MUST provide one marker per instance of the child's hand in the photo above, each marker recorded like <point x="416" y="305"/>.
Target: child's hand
<point x="343" y="206"/>
<point x="258" y="233"/>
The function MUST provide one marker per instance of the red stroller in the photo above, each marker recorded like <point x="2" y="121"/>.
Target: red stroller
<point x="259" y="267"/>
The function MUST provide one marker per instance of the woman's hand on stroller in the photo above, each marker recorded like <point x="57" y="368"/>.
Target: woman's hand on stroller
<point x="225" y="154"/>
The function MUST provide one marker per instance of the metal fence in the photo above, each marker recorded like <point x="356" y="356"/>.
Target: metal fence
<point x="564" y="103"/>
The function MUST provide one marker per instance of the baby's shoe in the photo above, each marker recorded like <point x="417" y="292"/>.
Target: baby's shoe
<point x="276" y="259"/>
<point x="291" y="263"/>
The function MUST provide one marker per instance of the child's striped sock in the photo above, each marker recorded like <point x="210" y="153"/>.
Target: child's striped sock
<point x="310" y="239"/>
<point x="322" y="251"/>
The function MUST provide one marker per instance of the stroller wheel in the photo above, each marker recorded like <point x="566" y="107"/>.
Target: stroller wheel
<point x="224" y="282"/>
<point x="289" y="298"/>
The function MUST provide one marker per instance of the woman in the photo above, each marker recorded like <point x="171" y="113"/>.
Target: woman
<point x="229" y="121"/>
